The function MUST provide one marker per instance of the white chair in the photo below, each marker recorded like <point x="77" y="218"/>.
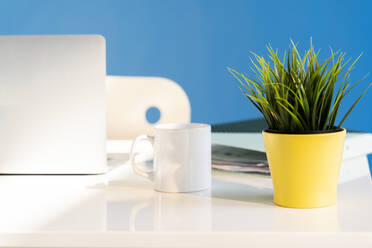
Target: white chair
<point x="129" y="98"/>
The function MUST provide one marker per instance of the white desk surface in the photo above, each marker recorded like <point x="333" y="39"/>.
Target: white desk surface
<point x="120" y="209"/>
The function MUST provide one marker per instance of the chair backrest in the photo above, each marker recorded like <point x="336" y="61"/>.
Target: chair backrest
<point x="129" y="99"/>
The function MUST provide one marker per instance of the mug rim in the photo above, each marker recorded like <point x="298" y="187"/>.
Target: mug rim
<point x="180" y="126"/>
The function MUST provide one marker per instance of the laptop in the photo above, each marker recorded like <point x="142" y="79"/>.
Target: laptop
<point x="52" y="104"/>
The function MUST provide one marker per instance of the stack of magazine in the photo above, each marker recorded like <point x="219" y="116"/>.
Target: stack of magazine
<point x="234" y="159"/>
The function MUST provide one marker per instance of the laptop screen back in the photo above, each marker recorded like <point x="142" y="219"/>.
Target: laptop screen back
<point x="52" y="104"/>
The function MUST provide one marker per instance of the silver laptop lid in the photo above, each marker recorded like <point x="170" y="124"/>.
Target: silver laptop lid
<point x="52" y="104"/>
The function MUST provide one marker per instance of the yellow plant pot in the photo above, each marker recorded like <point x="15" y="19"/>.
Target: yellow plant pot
<point x="305" y="167"/>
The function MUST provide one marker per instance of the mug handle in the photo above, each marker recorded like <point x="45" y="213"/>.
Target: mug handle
<point x="146" y="174"/>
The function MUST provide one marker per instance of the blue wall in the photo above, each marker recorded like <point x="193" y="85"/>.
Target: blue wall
<point x="193" y="41"/>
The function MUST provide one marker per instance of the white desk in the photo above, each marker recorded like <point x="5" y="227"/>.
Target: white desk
<point x="120" y="209"/>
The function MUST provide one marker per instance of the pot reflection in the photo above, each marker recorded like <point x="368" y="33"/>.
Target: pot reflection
<point x="303" y="220"/>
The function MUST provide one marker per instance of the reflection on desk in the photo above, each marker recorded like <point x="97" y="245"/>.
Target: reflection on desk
<point x="45" y="210"/>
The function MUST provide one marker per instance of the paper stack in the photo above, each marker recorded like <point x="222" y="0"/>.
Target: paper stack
<point x="236" y="159"/>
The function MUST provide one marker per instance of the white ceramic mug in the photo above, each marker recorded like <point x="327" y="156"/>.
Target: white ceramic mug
<point x="182" y="157"/>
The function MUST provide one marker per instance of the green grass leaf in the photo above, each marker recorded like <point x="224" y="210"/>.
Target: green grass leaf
<point x="299" y="93"/>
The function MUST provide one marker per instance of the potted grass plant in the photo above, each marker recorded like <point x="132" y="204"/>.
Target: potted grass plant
<point x="300" y="98"/>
